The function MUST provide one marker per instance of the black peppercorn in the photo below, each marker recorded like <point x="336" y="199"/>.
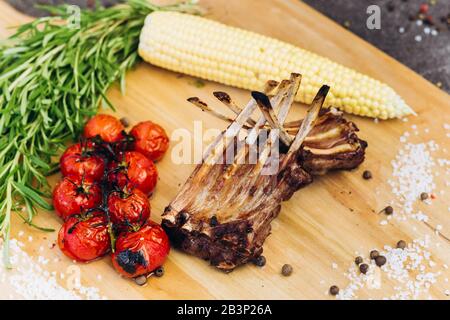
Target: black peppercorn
<point x="358" y="260"/>
<point x="286" y="270"/>
<point x="423" y="196"/>
<point x="401" y="244"/>
<point x="367" y="175"/>
<point x="364" y="268"/>
<point x="374" y="254"/>
<point x="380" y="260"/>
<point x="159" y="272"/>
<point x="388" y="210"/>
<point x="260" y="261"/>
<point x="334" y="290"/>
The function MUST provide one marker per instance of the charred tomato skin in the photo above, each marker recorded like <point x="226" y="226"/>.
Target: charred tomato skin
<point x="134" y="171"/>
<point x="73" y="195"/>
<point x="84" y="240"/>
<point x="107" y="127"/>
<point x="141" y="252"/>
<point x="150" y="139"/>
<point x="76" y="161"/>
<point x="128" y="208"/>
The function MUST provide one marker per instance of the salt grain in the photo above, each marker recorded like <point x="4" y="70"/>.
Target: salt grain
<point x="28" y="280"/>
<point x="42" y="260"/>
<point x="420" y="216"/>
<point x="400" y="268"/>
<point x="412" y="174"/>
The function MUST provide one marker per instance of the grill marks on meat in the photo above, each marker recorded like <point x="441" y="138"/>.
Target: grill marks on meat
<point x="224" y="210"/>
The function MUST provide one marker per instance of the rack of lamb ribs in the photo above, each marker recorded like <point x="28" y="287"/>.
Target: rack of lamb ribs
<point x="224" y="210"/>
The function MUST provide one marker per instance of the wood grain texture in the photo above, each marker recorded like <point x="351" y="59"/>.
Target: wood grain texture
<point x="316" y="227"/>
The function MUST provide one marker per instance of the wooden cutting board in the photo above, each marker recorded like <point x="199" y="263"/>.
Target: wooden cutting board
<point x="322" y="224"/>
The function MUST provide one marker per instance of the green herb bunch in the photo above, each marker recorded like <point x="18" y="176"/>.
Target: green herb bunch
<point x="53" y="76"/>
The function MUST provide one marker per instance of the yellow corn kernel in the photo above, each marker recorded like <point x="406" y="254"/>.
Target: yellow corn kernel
<point x="207" y="49"/>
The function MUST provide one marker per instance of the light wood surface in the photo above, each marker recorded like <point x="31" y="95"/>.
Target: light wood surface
<point x="322" y="224"/>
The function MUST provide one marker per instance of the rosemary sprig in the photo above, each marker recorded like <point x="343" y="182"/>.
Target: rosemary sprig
<point x="52" y="77"/>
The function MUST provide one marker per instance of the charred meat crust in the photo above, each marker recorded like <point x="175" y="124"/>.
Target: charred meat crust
<point x="228" y="244"/>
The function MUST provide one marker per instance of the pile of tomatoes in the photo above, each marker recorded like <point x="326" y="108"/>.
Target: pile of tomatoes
<point x="103" y="196"/>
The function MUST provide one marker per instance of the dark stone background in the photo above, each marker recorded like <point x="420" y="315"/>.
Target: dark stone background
<point x="27" y="6"/>
<point x="429" y="57"/>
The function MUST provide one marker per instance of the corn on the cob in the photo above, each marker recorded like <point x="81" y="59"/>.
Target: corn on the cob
<point x="207" y="49"/>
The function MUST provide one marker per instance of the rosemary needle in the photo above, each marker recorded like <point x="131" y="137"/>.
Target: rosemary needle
<point x="53" y="76"/>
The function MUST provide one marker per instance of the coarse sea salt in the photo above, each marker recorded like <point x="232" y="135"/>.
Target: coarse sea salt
<point x="412" y="174"/>
<point x="411" y="270"/>
<point x="28" y="280"/>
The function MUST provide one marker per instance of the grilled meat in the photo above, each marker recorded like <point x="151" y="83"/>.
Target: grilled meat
<point x="224" y="210"/>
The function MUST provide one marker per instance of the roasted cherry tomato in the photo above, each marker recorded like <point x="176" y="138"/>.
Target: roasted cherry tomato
<point x="128" y="208"/>
<point x="140" y="252"/>
<point x="150" y="139"/>
<point x="84" y="238"/>
<point x="134" y="171"/>
<point x="107" y="127"/>
<point x="80" y="160"/>
<point x="74" y="195"/>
